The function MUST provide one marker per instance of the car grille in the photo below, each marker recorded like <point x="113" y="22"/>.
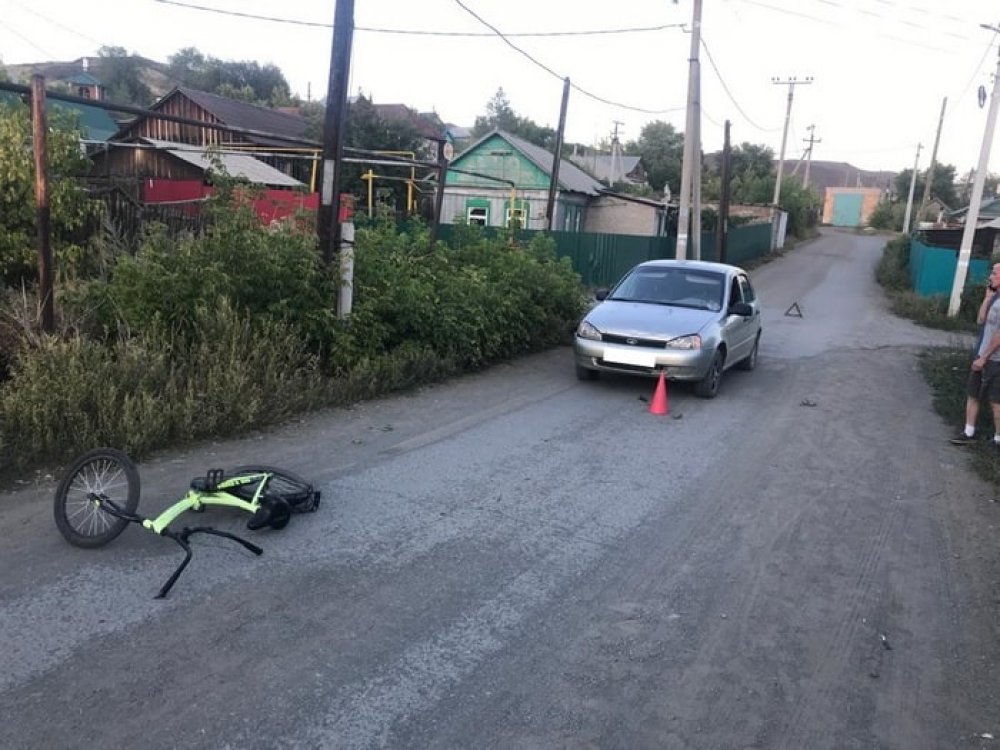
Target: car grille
<point x="612" y="338"/>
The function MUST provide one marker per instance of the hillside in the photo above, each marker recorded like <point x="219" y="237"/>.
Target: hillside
<point x="152" y="73"/>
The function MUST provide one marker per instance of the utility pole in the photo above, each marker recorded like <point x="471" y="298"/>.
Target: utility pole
<point x="722" y="227"/>
<point x="809" y="154"/>
<point x="328" y="216"/>
<point x="38" y="131"/>
<point x="791" y="82"/>
<point x="909" y="200"/>
<point x="930" y="169"/>
<point x="550" y="206"/>
<point x="691" y="150"/>
<point x="972" y="215"/>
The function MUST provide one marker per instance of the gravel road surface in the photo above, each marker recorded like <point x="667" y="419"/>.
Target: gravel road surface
<point x="515" y="559"/>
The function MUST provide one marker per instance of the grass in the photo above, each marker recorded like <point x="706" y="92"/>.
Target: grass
<point x="946" y="371"/>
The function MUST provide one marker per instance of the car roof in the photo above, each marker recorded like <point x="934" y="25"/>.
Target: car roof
<point x="694" y="265"/>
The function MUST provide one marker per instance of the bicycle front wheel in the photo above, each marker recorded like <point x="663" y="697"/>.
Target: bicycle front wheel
<point x="103" y="472"/>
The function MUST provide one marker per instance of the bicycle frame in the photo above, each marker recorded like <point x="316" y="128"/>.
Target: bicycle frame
<point x="196" y="500"/>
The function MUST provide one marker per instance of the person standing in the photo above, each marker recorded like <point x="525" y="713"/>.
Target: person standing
<point x="984" y="375"/>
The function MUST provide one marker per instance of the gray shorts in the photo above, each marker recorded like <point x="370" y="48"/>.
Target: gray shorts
<point x="985" y="384"/>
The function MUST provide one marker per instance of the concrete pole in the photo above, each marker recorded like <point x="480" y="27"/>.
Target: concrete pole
<point x="913" y="183"/>
<point x="690" y="138"/>
<point x="972" y="216"/>
<point x="792" y="83"/>
<point x="696" y="175"/>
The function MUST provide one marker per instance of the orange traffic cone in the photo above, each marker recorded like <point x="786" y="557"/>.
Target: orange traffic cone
<point x="659" y="403"/>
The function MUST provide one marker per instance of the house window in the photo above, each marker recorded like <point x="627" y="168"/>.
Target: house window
<point x="477" y="212"/>
<point x="516" y="215"/>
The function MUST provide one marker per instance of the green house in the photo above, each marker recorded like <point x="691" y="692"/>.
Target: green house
<point x="501" y="179"/>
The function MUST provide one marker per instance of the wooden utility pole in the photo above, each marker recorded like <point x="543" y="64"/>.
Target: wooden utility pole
<point x="722" y="228"/>
<point x="442" y="160"/>
<point x="550" y="206"/>
<point x="328" y="216"/>
<point x="38" y="130"/>
<point x="933" y="164"/>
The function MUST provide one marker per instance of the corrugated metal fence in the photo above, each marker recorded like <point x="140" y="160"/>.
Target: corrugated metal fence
<point x="602" y="259"/>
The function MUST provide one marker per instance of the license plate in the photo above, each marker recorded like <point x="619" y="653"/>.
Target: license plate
<point x="630" y="357"/>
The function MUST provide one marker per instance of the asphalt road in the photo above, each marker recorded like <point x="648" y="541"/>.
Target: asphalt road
<point x="515" y="559"/>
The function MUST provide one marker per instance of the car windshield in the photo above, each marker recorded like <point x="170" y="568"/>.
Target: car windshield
<point x="701" y="290"/>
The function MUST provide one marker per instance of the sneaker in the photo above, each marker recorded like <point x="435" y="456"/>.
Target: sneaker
<point x="962" y="439"/>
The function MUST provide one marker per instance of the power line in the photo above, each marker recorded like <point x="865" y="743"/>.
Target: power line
<point x="978" y="68"/>
<point x="729" y="93"/>
<point x="25" y="39"/>
<point x="418" y="32"/>
<point x="56" y="23"/>
<point x="549" y="70"/>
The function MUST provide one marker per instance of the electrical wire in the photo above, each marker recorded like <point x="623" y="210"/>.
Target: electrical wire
<point x="549" y="70"/>
<point x="978" y="68"/>
<point x="418" y="32"/>
<point x="729" y="93"/>
<point x="25" y="39"/>
<point x="56" y="23"/>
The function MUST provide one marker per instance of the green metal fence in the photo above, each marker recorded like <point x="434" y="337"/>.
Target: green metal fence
<point x="602" y="259"/>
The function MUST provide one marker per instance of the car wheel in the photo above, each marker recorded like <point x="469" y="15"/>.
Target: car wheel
<point x="582" y="373"/>
<point x="708" y="386"/>
<point x="750" y="362"/>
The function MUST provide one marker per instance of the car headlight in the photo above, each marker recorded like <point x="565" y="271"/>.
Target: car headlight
<point x="685" y="342"/>
<point x="587" y="331"/>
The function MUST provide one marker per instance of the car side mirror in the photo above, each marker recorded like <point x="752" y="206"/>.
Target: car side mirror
<point x="741" y="308"/>
<point x="601" y="294"/>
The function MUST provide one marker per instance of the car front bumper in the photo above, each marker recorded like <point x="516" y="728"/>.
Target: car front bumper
<point x="675" y="364"/>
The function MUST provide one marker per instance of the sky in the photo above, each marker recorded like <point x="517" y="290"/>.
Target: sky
<point x="877" y="70"/>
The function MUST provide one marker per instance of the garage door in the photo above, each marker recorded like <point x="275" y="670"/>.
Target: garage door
<point x="847" y="209"/>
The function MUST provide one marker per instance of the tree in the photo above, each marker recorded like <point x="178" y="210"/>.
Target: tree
<point x="661" y="149"/>
<point x="245" y="80"/>
<point x="365" y="129"/>
<point x="119" y="74"/>
<point x="69" y="205"/>
<point x="501" y="116"/>
<point x="942" y="186"/>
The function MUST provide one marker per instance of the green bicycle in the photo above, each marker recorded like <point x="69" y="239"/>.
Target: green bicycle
<point x="98" y="496"/>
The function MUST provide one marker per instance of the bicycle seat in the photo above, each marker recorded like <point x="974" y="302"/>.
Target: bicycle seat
<point x="209" y="482"/>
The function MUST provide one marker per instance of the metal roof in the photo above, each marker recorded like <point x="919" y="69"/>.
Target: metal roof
<point x="571" y="177"/>
<point x="243" y="115"/>
<point x="237" y="165"/>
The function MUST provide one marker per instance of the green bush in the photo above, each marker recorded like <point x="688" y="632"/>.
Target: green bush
<point x="887" y="216"/>
<point x="236" y="329"/>
<point x="893" y="268"/>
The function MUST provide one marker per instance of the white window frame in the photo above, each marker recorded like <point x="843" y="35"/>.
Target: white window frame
<point x="520" y="213"/>
<point x="478" y="215"/>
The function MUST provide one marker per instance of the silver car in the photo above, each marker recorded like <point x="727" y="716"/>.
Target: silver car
<point x="690" y="320"/>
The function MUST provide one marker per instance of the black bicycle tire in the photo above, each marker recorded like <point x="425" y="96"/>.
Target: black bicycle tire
<point x="304" y="490"/>
<point x="111" y="525"/>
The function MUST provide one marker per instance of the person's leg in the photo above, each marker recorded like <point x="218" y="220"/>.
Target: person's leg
<point x="973" y="389"/>
<point x="972" y="414"/>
